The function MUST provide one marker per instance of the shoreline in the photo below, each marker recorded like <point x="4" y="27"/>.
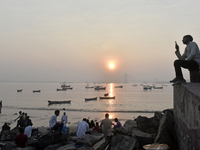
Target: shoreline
<point x="40" y="118"/>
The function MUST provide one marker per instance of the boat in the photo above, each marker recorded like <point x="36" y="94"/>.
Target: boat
<point x="19" y="90"/>
<point x="88" y="87"/>
<point x="61" y="89"/>
<point x="106" y="94"/>
<point x="67" y="88"/>
<point x="158" y="87"/>
<point x="91" y="99"/>
<point x="34" y="91"/>
<point x="107" y="97"/>
<point x="120" y="86"/>
<point x="146" y="87"/>
<point x="63" y="85"/>
<point x="59" y="102"/>
<point x="100" y="88"/>
<point x="134" y="85"/>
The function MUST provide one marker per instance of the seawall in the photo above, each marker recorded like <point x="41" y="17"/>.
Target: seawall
<point x="187" y="115"/>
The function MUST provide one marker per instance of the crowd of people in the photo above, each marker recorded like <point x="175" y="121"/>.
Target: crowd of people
<point x="84" y="127"/>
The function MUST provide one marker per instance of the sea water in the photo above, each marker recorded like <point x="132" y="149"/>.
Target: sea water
<point x="130" y="101"/>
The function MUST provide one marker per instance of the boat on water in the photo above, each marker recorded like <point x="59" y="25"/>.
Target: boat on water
<point x="107" y="97"/>
<point x="63" y="85"/>
<point x="35" y="91"/>
<point x="61" y="89"/>
<point x="100" y="88"/>
<point x="119" y="86"/>
<point x="91" y="99"/>
<point x="19" y="90"/>
<point x="67" y="88"/>
<point x="59" y="102"/>
<point x="106" y="94"/>
<point x="134" y="84"/>
<point x="146" y="87"/>
<point x="89" y="87"/>
<point x="158" y="87"/>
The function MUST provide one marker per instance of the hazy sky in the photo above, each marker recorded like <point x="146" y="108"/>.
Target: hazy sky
<point x="75" y="40"/>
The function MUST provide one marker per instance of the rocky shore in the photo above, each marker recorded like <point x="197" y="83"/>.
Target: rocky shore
<point x="133" y="135"/>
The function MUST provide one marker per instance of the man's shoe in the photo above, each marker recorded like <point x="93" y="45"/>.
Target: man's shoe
<point x="174" y="80"/>
<point x="179" y="82"/>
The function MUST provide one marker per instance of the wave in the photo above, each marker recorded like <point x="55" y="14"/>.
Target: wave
<point x="83" y="110"/>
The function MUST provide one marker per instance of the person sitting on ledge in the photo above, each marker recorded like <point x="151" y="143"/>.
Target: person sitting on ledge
<point x="118" y="123"/>
<point x="21" y="123"/>
<point x="83" y="128"/>
<point x="54" y="124"/>
<point x="189" y="60"/>
<point x="96" y="127"/>
<point x="5" y="127"/>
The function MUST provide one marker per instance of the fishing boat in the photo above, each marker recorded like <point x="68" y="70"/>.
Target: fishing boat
<point x="35" y="91"/>
<point x="59" y="102"/>
<point x="63" y="85"/>
<point x="107" y="97"/>
<point x="89" y="87"/>
<point x="61" y="89"/>
<point x="158" y="87"/>
<point x="100" y="88"/>
<point x="67" y="88"/>
<point x="106" y="94"/>
<point x="119" y="86"/>
<point x="19" y="90"/>
<point x="146" y="87"/>
<point x="91" y="99"/>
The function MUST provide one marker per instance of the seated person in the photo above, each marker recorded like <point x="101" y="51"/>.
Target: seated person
<point x="28" y="130"/>
<point x="5" y="127"/>
<point x="118" y="123"/>
<point x="21" y="139"/>
<point x="54" y="124"/>
<point x="21" y="122"/>
<point x="96" y="127"/>
<point x="91" y="124"/>
<point x="83" y="127"/>
<point x="28" y="121"/>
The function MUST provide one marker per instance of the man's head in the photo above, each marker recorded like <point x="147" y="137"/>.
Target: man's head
<point x="84" y="119"/>
<point x="187" y="39"/>
<point x="20" y="112"/>
<point x="64" y="113"/>
<point x="106" y="115"/>
<point x="97" y="124"/>
<point x="57" y="112"/>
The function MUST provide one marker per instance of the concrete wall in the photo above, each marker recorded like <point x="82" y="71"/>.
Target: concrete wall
<point x="187" y="115"/>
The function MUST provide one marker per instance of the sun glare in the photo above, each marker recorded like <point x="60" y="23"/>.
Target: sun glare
<point x="111" y="66"/>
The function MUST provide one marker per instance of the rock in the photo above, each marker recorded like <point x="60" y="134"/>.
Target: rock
<point x="130" y="124"/>
<point x="158" y="115"/>
<point x="168" y="110"/>
<point x="142" y="137"/>
<point x="147" y="125"/>
<point x="8" y="135"/>
<point x="123" y="142"/>
<point x="45" y="140"/>
<point x="53" y="147"/>
<point x="31" y="142"/>
<point x="25" y="148"/>
<point x="166" y="132"/>
<point x="91" y="140"/>
<point x="67" y="147"/>
<point x="121" y="130"/>
<point x="7" y="146"/>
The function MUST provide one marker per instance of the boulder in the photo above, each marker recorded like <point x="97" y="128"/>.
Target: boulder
<point x="158" y="115"/>
<point x="8" y="135"/>
<point x="53" y="147"/>
<point x="91" y="140"/>
<point x="142" y="137"/>
<point x="121" y="130"/>
<point x="123" y="142"/>
<point x="130" y="124"/>
<point x="25" y="148"/>
<point x="147" y="125"/>
<point x="67" y="147"/>
<point x="31" y="142"/>
<point x="7" y="146"/>
<point x="45" y="140"/>
<point x="166" y="132"/>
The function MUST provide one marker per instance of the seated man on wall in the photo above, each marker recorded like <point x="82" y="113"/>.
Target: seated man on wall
<point x="54" y="124"/>
<point x="189" y="60"/>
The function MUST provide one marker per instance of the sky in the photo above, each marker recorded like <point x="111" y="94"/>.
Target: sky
<point x="76" y="40"/>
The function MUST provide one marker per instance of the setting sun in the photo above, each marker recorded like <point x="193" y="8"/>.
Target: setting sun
<point x="111" y="66"/>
